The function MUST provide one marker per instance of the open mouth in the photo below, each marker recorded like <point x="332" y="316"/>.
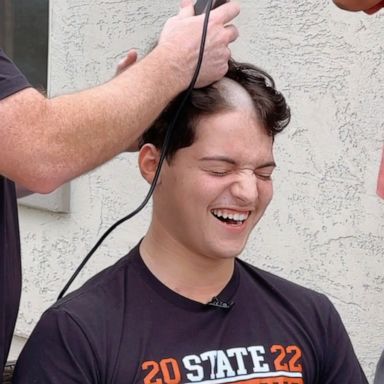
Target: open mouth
<point x="230" y="217"/>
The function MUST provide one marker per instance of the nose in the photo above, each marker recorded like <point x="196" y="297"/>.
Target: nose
<point x="245" y="187"/>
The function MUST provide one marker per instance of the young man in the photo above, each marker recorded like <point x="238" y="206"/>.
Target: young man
<point x="180" y="307"/>
<point x="45" y="143"/>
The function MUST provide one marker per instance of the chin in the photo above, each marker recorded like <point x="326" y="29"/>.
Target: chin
<point x="227" y="251"/>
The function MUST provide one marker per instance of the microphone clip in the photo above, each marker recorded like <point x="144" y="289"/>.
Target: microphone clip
<point x="216" y="302"/>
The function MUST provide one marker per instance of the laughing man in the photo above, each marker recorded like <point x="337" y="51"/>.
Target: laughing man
<point x="181" y="307"/>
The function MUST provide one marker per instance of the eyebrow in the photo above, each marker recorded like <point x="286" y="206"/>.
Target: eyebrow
<point x="229" y="160"/>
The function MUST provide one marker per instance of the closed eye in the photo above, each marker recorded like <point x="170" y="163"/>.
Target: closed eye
<point x="264" y="177"/>
<point x="219" y="173"/>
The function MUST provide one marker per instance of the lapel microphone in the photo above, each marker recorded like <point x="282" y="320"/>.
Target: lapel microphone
<point x="216" y="302"/>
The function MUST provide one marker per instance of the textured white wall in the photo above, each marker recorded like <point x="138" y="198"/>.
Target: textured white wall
<point x="325" y="227"/>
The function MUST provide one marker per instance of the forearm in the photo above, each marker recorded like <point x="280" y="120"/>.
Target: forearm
<point x="53" y="141"/>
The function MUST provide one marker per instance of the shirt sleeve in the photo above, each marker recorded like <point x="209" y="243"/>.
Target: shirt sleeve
<point x="11" y="79"/>
<point x="341" y="365"/>
<point x="57" y="351"/>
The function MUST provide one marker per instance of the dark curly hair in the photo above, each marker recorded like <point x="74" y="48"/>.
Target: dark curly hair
<point x="270" y="106"/>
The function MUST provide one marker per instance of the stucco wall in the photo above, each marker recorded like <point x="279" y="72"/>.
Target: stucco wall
<point x="325" y="226"/>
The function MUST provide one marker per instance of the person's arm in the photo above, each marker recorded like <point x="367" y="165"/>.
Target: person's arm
<point x="122" y="66"/>
<point x="48" y="142"/>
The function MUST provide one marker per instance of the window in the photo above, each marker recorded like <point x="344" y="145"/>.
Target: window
<point x="24" y="37"/>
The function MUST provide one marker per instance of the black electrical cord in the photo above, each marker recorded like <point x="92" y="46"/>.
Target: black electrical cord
<point x="163" y="154"/>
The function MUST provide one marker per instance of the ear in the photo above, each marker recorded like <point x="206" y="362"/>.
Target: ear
<point x="149" y="157"/>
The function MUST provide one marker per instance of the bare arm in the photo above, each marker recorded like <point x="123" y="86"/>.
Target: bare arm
<point x="48" y="142"/>
<point x="45" y="143"/>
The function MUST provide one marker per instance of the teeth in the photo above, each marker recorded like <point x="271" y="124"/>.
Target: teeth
<point x="230" y="216"/>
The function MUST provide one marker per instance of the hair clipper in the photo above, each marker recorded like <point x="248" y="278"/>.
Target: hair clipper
<point x="201" y="5"/>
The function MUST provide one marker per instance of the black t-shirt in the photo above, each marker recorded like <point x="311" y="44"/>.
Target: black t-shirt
<point x="11" y="81"/>
<point x="124" y="326"/>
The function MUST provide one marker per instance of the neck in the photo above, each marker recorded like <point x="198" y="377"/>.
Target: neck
<point x="195" y="276"/>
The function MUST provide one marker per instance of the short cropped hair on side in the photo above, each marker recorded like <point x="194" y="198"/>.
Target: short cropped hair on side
<point x="270" y="106"/>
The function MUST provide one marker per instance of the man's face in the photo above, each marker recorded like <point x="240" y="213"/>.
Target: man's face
<point x="368" y="6"/>
<point x="213" y="193"/>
